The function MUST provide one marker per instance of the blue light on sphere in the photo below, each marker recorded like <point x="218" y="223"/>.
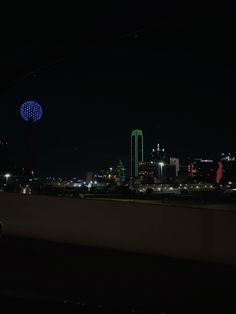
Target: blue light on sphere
<point x="31" y="111"/>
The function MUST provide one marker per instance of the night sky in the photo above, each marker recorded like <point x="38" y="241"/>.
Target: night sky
<point x="171" y="76"/>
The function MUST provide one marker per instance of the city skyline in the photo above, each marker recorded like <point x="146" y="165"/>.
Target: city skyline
<point x="159" y="78"/>
<point x="146" y="152"/>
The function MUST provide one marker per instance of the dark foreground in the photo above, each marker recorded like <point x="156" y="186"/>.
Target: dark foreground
<point x="40" y="275"/>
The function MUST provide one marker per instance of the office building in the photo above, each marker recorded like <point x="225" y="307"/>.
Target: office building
<point x="147" y="172"/>
<point x="106" y="175"/>
<point x="121" y="173"/>
<point x="168" y="174"/>
<point x="202" y="170"/>
<point x="137" y="154"/>
<point x="175" y="162"/>
<point x="228" y="168"/>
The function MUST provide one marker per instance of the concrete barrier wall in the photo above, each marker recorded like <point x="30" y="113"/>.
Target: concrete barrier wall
<point x="200" y="234"/>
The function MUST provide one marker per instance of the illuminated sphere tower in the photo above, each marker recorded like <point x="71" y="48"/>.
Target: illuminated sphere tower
<point x="136" y="152"/>
<point x="31" y="112"/>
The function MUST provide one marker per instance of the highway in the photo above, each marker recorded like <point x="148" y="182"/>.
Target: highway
<point x="102" y="255"/>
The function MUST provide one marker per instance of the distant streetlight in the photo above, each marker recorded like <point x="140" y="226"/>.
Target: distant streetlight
<point x="7" y="176"/>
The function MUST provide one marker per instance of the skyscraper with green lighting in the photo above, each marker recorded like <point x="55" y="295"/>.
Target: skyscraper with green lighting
<point x="136" y="152"/>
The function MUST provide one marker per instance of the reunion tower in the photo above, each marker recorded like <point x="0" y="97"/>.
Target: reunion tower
<point x="31" y="112"/>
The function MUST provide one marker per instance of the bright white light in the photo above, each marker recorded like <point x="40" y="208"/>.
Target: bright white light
<point x="77" y="185"/>
<point x="171" y="188"/>
<point x="7" y="175"/>
<point x="161" y="164"/>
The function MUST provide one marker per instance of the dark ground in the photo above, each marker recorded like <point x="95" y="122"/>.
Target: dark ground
<point x="38" y="275"/>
